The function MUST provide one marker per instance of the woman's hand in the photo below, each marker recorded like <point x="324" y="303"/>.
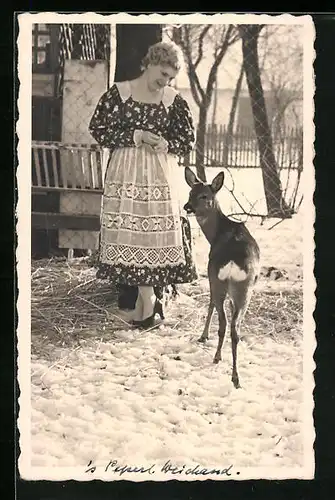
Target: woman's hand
<point x="148" y="147"/>
<point x="150" y="141"/>
<point x="150" y="138"/>
<point x="161" y="146"/>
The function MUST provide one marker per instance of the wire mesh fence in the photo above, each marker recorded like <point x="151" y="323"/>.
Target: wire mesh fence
<point x="243" y="85"/>
<point x="246" y="86"/>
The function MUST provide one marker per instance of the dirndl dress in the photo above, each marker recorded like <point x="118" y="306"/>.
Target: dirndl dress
<point x="144" y="239"/>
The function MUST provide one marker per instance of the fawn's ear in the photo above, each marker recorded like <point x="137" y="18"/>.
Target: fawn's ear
<point x="217" y="182"/>
<point x="190" y="177"/>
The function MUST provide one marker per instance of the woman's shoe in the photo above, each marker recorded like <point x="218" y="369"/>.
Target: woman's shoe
<point x="147" y="323"/>
<point x="150" y="321"/>
<point x="136" y="323"/>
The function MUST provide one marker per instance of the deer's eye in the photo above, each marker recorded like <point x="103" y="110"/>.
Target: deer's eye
<point x="202" y="197"/>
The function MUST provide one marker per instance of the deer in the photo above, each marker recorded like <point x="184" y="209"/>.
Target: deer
<point x="233" y="262"/>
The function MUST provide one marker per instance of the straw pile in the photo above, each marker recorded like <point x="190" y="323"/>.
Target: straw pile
<point x="68" y="304"/>
<point x="67" y="300"/>
<point x="275" y="311"/>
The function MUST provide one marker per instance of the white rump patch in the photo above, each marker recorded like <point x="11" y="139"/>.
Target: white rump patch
<point x="232" y="271"/>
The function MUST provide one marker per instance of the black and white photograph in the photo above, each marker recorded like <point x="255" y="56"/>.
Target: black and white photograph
<point x="165" y="246"/>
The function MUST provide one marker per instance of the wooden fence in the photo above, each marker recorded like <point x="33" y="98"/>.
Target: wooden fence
<point x="79" y="166"/>
<point x="75" y="172"/>
<point x="66" y="166"/>
<point x="66" y="169"/>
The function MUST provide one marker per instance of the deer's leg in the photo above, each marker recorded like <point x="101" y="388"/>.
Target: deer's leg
<point x="240" y="304"/>
<point x="235" y="326"/>
<point x="204" y="335"/>
<point x="219" y="305"/>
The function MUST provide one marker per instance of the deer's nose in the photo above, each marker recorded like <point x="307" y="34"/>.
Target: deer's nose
<point x="188" y="208"/>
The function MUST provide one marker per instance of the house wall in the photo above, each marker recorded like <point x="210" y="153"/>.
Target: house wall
<point x="244" y="116"/>
<point x="84" y="83"/>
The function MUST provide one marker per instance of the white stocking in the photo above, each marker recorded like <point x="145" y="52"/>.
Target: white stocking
<point x="138" y="311"/>
<point x="148" y="299"/>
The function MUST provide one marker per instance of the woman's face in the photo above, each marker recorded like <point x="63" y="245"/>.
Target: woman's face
<point x="160" y="76"/>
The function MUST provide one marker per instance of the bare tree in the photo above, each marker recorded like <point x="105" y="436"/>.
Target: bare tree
<point x="276" y="205"/>
<point x="194" y="40"/>
<point x="232" y="115"/>
<point x="215" y="101"/>
<point x="281" y="71"/>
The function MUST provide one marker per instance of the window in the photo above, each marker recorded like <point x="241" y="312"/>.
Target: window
<point x="41" y="48"/>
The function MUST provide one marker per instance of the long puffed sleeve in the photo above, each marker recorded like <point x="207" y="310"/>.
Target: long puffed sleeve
<point x="107" y="123"/>
<point x="181" y="130"/>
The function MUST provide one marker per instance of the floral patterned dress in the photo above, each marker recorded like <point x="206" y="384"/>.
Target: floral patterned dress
<point x="144" y="240"/>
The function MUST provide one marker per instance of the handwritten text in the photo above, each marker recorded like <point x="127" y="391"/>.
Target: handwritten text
<point x="114" y="467"/>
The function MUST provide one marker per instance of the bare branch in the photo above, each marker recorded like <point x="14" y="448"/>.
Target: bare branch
<point x="235" y="35"/>
<point x="200" y="45"/>
<point x="196" y="89"/>
<point x="229" y="38"/>
<point x="181" y="38"/>
<point x="195" y="92"/>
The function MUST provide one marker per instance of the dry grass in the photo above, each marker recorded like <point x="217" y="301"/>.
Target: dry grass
<point x="67" y="303"/>
<point x="274" y="313"/>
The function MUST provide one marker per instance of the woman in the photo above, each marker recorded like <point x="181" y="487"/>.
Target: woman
<point x="147" y="125"/>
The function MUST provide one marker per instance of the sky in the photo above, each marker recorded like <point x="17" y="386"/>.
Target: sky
<point x="281" y="47"/>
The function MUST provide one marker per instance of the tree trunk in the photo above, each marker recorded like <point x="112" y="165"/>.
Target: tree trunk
<point x="200" y="144"/>
<point x="215" y="101"/>
<point x="276" y="205"/>
<point x="232" y="114"/>
<point x="132" y="43"/>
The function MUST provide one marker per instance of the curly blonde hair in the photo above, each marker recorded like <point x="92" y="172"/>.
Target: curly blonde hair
<point x="164" y="54"/>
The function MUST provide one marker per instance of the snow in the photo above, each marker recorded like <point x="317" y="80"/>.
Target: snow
<point x="145" y="398"/>
<point x="146" y="404"/>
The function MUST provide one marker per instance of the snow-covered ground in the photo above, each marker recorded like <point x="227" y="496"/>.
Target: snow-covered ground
<point x="145" y="398"/>
<point x="156" y="400"/>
